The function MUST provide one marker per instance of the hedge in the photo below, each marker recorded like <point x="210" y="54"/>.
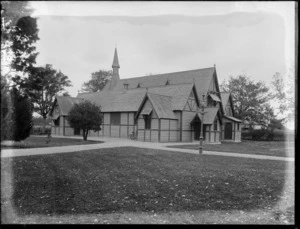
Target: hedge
<point x="264" y="135"/>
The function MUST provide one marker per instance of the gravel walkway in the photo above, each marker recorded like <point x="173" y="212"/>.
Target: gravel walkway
<point x="117" y="142"/>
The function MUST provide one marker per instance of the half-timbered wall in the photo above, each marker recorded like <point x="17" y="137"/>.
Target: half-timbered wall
<point x="213" y="135"/>
<point x="228" y="109"/>
<point x="187" y="115"/>
<point x="168" y="130"/>
<point x="152" y="134"/>
<point x="122" y="130"/>
<point x="187" y="131"/>
<point x="162" y="130"/>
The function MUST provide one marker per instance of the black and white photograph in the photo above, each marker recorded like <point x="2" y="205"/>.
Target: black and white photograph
<point x="148" y="112"/>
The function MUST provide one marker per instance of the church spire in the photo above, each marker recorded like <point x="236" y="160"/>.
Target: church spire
<point x="115" y="66"/>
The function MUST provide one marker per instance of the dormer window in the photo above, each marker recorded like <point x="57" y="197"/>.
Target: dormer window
<point x="139" y="85"/>
<point x="213" y="100"/>
<point x="168" y="82"/>
<point x="126" y="86"/>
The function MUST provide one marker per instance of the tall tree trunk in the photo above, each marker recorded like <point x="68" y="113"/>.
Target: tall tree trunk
<point x="44" y="124"/>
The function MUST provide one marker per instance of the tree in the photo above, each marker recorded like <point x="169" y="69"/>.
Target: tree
<point x="98" y="80"/>
<point x="22" y="116"/>
<point x="7" y="112"/>
<point x="18" y="34"/>
<point x="276" y="124"/>
<point x="42" y="84"/>
<point x="284" y="94"/>
<point x="251" y="99"/>
<point x="16" y="116"/>
<point x="86" y="116"/>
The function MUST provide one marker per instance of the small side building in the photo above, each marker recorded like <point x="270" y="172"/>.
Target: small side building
<point x="232" y="128"/>
<point x="59" y="112"/>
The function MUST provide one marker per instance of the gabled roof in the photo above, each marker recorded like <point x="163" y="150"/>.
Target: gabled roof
<point x="224" y="98"/>
<point x="130" y="100"/>
<point x="112" y="101"/>
<point x="65" y="103"/>
<point x="200" y="77"/>
<point x="162" y="105"/>
<point x="209" y="115"/>
<point x="179" y="93"/>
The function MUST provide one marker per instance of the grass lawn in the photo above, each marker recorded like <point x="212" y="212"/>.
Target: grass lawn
<point x="41" y="141"/>
<point x="271" y="148"/>
<point x="110" y="184"/>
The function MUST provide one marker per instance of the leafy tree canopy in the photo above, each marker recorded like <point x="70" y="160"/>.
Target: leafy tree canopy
<point x="86" y="116"/>
<point x="284" y="94"/>
<point x="19" y="32"/>
<point x="42" y="84"/>
<point x="98" y="80"/>
<point x="250" y="99"/>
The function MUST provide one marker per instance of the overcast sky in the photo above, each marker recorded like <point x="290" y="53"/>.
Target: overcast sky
<point x="256" y="38"/>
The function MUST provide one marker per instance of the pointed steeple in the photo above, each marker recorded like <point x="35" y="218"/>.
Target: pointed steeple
<point x="116" y="60"/>
<point x="115" y="66"/>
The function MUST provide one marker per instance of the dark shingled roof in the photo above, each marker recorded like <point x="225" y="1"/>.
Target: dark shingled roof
<point x="209" y="115"/>
<point x="130" y="100"/>
<point x="224" y="98"/>
<point x="200" y="77"/>
<point x="162" y="105"/>
<point x="65" y="103"/>
<point x="112" y="101"/>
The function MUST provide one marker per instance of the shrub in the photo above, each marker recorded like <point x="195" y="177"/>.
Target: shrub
<point x="264" y="135"/>
<point x="247" y="135"/>
<point x="259" y="135"/>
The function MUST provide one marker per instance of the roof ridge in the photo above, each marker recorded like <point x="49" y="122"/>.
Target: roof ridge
<point x="159" y="94"/>
<point x="171" y="85"/>
<point x="168" y="73"/>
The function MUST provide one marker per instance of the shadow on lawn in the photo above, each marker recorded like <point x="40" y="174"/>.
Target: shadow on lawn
<point x="142" y="180"/>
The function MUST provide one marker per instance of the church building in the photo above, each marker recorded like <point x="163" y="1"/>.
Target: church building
<point x="157" y="108"/>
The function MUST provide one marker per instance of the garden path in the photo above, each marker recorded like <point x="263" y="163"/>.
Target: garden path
<point x="117" y="142"/>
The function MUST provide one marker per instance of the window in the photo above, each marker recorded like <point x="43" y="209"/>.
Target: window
<point x="56" y="122"/>
<point x="115" y="118"/>
<point x="238" y="126"/>
<point x="216" y="124"/>
<point x="126" y="85"/>
<point x="147" y="119"/>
